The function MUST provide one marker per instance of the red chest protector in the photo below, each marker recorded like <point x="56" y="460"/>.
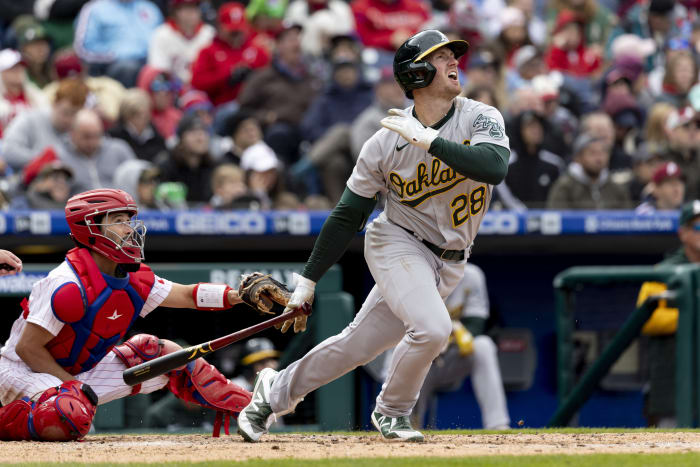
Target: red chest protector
<point x="98" y="313"/>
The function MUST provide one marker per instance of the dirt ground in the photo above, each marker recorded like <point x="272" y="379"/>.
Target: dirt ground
<point x="198" y="448"/>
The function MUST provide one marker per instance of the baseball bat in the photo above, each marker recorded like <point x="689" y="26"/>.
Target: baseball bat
<point x="161" y="365"/>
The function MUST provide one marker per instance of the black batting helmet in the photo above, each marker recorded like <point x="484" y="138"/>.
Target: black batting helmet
<point x="257" y="349"/>
<point x="410" y="71"/>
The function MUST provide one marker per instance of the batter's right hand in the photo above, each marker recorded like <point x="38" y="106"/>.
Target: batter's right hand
<point x="303" y="293"/>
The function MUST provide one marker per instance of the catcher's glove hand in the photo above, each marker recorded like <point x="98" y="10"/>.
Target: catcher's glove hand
<point x="260" y="291"/>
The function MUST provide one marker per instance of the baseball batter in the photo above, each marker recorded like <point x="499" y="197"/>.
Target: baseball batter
<point x="436" y="162"/>
<point x="61" y="361"/>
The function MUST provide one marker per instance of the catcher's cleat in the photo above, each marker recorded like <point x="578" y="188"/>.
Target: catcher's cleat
<point x="396" y="428"/>
<point x="255" y="419"/>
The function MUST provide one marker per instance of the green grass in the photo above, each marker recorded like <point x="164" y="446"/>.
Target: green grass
<point x="592" y="460"/>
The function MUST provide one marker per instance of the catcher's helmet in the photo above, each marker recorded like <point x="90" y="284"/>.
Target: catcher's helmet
<point x="410" y="71"/>
<point x="82" y="211"/>
<point x="257" y="349"/>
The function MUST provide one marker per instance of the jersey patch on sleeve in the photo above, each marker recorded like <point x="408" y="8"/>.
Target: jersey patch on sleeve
<point x="490" y="124"/>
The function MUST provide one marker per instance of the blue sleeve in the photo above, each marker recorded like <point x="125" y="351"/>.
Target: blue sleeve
<point x="87" y="43"/>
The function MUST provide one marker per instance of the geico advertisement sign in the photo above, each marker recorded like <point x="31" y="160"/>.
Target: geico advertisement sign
<point x="499" y="223"/>
<point x="220" y="223"/>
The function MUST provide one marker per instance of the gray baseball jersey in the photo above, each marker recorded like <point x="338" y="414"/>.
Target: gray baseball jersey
<point x="424" y="194"/>
<point x="470" y="298"/>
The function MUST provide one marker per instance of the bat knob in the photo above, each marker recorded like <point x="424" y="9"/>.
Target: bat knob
<point x="306" y="308"/>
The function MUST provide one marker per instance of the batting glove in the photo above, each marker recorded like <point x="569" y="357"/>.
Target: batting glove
<point x="413" y="131"/>
<point x="303" y="293"/>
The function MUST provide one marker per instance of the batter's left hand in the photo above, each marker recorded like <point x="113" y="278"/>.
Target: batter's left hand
<point x="413" y="131"/>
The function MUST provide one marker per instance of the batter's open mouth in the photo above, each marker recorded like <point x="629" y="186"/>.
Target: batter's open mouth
<point x="452" y="75"/>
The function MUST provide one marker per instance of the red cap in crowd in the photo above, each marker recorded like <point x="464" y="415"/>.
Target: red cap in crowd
<point x="666" y="171"/>
<point x="67" y="65"/>
<point x="232" y="17"/>
<point x="565" y="18"/>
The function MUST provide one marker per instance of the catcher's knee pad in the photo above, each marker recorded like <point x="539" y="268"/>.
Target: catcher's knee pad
<point x="203" y="384"/>
<point x="14" y="418"/>
<point x="63" y="413"/>
<point x="138" y="349"/>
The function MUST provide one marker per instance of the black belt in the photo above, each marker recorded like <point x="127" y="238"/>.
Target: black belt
<point x="447" y="255"/>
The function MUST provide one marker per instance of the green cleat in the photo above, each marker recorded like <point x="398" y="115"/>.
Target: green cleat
<point x="396" y="428"/>
<point x="255" y="419"/>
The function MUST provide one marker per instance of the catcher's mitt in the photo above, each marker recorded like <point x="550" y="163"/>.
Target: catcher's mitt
<point x="260" y="291"/>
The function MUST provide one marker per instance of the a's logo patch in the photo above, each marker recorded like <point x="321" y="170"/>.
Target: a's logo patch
<point x="494" y="128"/>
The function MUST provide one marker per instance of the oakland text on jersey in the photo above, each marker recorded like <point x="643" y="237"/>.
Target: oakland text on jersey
<point x="440" y="175"/>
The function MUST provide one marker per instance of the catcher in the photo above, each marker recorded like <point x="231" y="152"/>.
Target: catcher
<point x="61" y="360"/>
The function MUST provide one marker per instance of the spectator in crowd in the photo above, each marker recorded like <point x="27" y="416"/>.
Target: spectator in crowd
<point x="139" y="178"/>
<point x="176" y="43"/>
<point x="660" y="403"/>
<point x="486" y="69"/>
<point x="17" y="93"/>
<point x="549" y="87"/>
<point x="599" y="125"/>
<point x="568" y="52"/>
<point x="683" y="149"/>
<point x="321" y="20"/>
<point x="162" y="88"/>
<point x="655" y="134"/>
<point x="527" y="98"/>
<point x="279" y="94"/>
<point x="386" y="24"/>
<point x="681" y="74"/>
<point x="532" y="170"/>
<point x="48" y="189"/>
<point x="632" y="46"/>
<point x="668" y="190"/>
<point x="190" y="162"/>
<point x="586" y="184"/>
<point x="387" y="95"/>
<point x="645" y="161"/>
<point x="484" y="94"/>
<point x="264" y="178"/>
<point x="470" y="352"/>
<point x="465" y="19"/>
<point x="221" y="68"/>
<point x="628" y="120"/>
<point x="347" y="91"/>
<point x="514" y="33"/>
<point x="33" y="44"/>
<point x="32" y="131"/>
<point x="598" y="20"/>
<point x="197" y="102"/>
<point x="245" y="131"/>
<point x="100" y="35"/>
<point x="230" y="190"/>
<point x="135" y="127"/>
<point x="265" y="17"/>
<point x="627" y="75"/>
<point x="656" y="19"/>
<point x="523" y="99"/>
<point x="105" y="93"/>
<point x="92" y="156"/>
<point x="528" y="62"/>
<point x="536" y="27"/>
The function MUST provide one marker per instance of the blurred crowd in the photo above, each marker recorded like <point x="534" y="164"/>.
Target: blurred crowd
<point x="266" y="105"/>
